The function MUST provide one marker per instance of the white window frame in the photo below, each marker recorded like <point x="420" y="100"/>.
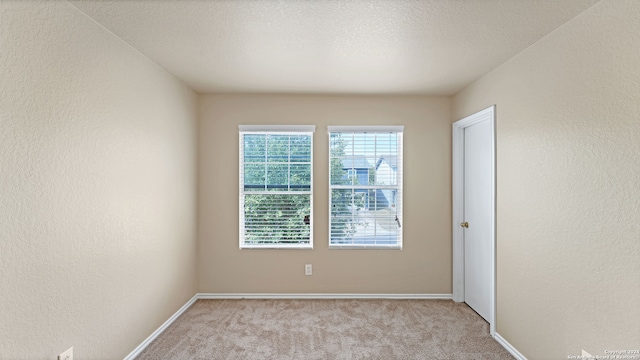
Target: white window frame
<point x="273" y="130"/>
<point x="399" y="129"/>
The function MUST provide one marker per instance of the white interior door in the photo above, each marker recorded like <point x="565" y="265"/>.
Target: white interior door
<point x="478" y="219"/>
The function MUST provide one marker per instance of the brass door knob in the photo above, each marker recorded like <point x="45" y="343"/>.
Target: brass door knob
<point x="464" y="224"/>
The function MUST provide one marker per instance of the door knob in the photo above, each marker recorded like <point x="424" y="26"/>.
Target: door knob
<point x="464" y="224"/>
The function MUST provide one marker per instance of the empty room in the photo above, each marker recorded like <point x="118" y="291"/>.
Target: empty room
<point x="319" y="179"/>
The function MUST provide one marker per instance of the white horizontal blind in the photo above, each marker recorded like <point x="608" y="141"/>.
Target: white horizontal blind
<point x="365" y="176"/>
<point x="276" y="188"/>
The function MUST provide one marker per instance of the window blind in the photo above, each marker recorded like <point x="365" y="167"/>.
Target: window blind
<point x="365" y="181"/>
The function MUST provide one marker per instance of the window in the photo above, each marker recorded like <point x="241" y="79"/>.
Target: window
<point x="365" y="201"/>
<point x="276" y="187"/>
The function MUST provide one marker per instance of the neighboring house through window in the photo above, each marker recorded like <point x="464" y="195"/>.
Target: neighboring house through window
<point x="365" y="173"/>
<point x="276" y="187"/>
<point x="387" y="174"/>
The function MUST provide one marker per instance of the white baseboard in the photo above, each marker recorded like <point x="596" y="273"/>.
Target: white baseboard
<point x="321" y="296"/>
<point x="132" y="355"/>
<point x="505" y="344"/>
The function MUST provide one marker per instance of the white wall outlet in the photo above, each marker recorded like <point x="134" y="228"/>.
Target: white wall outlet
<point x="308" y="270"/>
<point x="67" y="355"/>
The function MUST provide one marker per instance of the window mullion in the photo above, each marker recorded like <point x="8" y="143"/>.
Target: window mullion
<point x="266" y="162"/>
<point x="353" y="157"/>
<point x="375" y="152"/>
<point x="375" y="228"/>
<point x="289" y="162"/>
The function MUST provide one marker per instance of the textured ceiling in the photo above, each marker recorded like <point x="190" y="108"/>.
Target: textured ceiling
<point x="331" y="46"/>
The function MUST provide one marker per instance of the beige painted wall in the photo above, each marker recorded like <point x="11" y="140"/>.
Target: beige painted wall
<point x="423" y="266"/>
<point x="97" y="174"/>
<point x="568" y="196"/>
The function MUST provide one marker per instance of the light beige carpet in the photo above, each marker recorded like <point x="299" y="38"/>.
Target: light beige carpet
<point x="326" y="329"/>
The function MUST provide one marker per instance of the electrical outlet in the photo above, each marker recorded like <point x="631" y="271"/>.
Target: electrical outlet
<point x="308" y="270"/>
<point x="67" y="355"/>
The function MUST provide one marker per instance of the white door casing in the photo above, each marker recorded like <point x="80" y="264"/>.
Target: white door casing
<point x="474" y="247"/>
